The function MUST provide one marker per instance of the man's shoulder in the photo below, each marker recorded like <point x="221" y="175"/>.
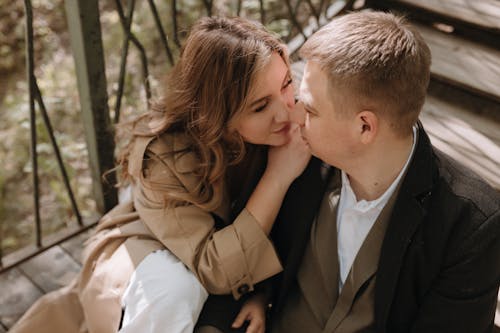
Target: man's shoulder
<point x="460" y="184"/>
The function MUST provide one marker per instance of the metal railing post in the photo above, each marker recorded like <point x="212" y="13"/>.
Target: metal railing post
<point x="86" y="43"/>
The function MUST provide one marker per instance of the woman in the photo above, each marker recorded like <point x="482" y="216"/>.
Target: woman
<point x="197" y="223"/>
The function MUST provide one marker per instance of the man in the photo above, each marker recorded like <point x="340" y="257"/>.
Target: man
<point x="395" y="236"/>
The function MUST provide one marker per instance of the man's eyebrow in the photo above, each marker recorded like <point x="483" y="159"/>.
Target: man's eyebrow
<point x="288" y="76"/>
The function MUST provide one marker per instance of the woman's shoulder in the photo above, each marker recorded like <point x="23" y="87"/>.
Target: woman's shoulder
<point x="172" y="150"/>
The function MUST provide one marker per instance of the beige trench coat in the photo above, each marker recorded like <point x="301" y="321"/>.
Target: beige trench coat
<point x="230" y="260"/>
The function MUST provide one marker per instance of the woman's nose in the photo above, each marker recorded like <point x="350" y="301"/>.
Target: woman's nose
<point x="298" y="114"/>
<point x="282" y="114"/>
<point x="288" y="97"/>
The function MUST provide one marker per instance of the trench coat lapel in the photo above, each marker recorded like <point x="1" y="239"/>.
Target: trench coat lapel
<point x="409" y="211"/>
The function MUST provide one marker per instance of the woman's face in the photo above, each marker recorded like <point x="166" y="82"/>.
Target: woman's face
<point x="265" y="121"/>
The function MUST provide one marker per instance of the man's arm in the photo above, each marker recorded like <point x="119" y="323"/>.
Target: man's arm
<point x="464" y="296"/>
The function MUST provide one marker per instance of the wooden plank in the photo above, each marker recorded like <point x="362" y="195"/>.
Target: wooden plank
<point x="51" y="269"/>
<point x="479" y="113"/>
<point x="483" y="13"/>
<point x="457" y="61"/>
<point x="74" y="246"/>
<point x="18" y="293"/>
<point x="447" y="139"/>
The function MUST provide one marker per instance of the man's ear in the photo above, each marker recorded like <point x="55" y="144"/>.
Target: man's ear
<point x="368" y="123"/>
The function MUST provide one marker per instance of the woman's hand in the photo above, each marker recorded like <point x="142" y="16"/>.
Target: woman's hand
<point x="287" y="162"/>
<point x="253" y="311"/>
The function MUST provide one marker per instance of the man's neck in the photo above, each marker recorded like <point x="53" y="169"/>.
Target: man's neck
<point x="377" y="170"/>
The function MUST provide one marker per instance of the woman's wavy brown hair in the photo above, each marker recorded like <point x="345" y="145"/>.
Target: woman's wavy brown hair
<point x="207" y="87"/>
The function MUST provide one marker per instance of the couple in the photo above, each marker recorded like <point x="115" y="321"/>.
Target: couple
<point x="378" y="232"/>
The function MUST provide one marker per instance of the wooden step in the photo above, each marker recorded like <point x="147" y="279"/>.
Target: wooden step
<point x="52" y="269"/>
<point x="477" y="16"/>
<point x="463" y="63"/>
<point x="471" y="140"/>
<point x="18" y="293"/>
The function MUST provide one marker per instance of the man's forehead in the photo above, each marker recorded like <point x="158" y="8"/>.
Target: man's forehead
<point x="306" y="85"/>
<point x="305" y="94"/>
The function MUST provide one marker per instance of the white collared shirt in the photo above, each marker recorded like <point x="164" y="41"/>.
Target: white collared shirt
<point x="356" y="218"/>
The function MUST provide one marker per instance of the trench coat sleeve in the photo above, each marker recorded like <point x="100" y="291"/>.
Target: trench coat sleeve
<point x="228" y="261"/>
<point x="464" y="296"/>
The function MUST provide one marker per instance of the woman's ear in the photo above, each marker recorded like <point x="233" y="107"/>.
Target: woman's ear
<point x="368" y="123"/>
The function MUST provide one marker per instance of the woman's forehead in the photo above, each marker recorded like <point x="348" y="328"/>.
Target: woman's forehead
<point x="270" y="77"/>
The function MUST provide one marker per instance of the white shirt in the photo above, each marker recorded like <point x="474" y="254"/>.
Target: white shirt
<point x="356" y="218"/>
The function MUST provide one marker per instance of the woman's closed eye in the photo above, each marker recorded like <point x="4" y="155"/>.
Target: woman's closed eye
<point x="261" y="107"/>
<point x="288" y="83"/>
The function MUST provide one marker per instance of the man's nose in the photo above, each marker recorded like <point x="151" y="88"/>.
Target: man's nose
<point x="298" y="114"/>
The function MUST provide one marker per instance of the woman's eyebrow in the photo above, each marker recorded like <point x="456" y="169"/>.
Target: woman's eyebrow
<point x="258" y="101"/>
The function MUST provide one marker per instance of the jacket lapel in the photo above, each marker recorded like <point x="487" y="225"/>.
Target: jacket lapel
<point x="364" y="266"/>
<point x="318" y="272"/>
<point x="407" y="214"/>
<point x="325" y="245"/>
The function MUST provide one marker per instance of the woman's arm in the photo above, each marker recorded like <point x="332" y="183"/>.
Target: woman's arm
<point x="236" y="257"/>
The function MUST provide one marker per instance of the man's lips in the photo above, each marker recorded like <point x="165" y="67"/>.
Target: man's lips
<point x="304" y="138"/>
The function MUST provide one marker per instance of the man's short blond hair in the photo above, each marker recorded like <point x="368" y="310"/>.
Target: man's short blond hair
<point x="379" y="60"/>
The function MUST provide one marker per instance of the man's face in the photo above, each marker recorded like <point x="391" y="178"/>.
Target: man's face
<point x="329" y="133"/>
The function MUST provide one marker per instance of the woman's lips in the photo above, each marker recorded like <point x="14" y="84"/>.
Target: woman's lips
<point x="283" y="129"/>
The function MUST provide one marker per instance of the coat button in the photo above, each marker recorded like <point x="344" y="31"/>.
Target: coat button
<point x="243" y="289"/>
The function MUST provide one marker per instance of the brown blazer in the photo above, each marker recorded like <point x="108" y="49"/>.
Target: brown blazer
<point x="229" y="260"/>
